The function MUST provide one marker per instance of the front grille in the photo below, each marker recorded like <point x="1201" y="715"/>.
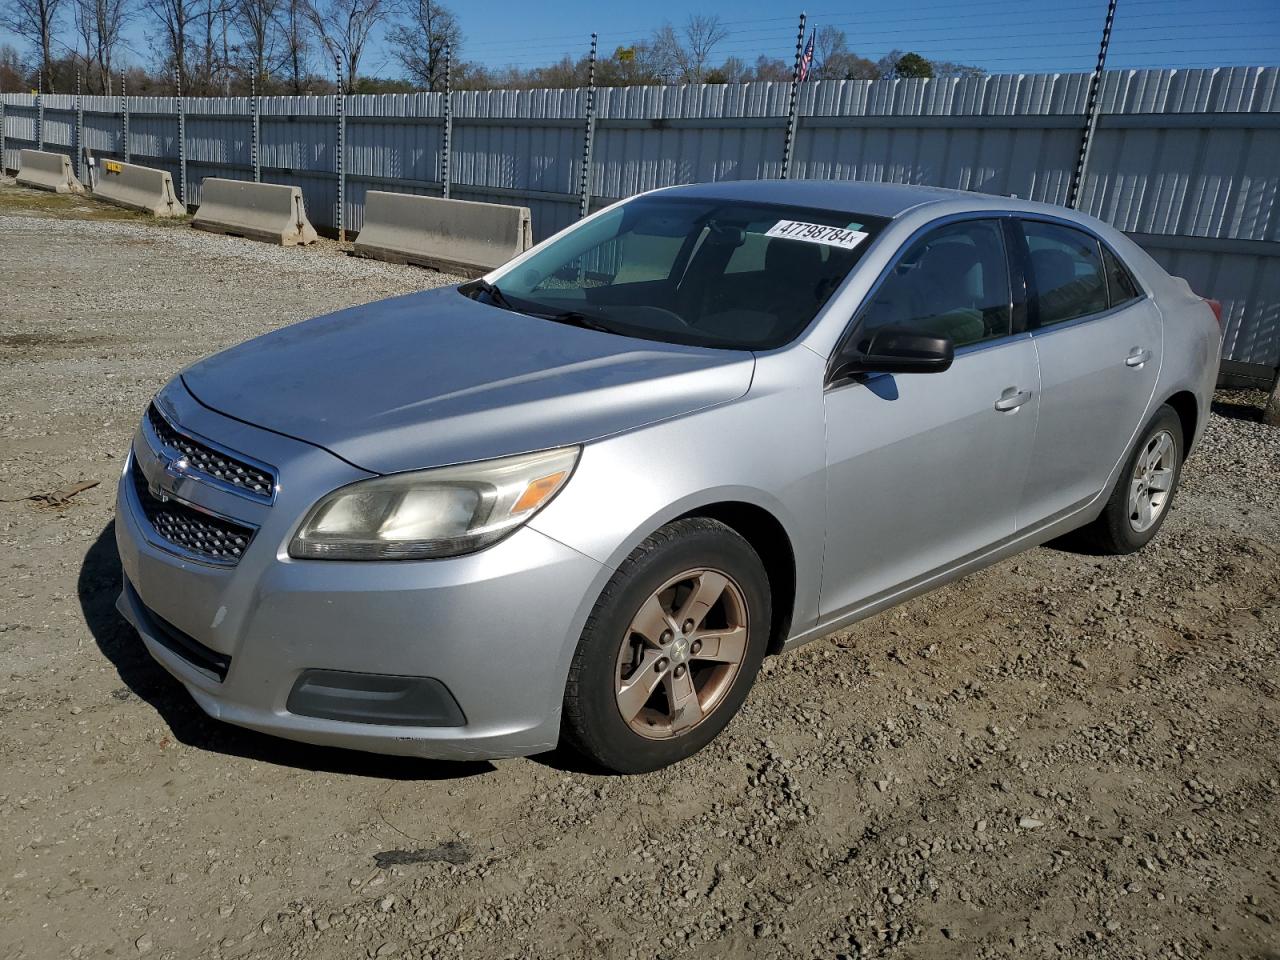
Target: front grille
<point x="213" y="463"/>
<point x="197" y="533"/>
<point x="184" y="645"/>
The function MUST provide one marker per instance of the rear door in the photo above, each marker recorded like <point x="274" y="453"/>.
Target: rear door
<point x="926" y="469"/>
<point x="1099" y="340"/>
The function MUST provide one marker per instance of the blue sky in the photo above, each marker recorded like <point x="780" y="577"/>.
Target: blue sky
<point x="1001" y="35"/>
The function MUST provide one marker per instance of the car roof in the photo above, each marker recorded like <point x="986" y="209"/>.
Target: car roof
<point x="849" y="196"/>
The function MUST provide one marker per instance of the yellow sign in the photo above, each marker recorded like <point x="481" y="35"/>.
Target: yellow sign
<point x="113" y="166"/>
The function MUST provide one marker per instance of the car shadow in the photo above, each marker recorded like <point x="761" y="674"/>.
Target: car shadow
<point x="1237" y="411"/>
<point x="564" y="759"/>
<point x="1077" y="542"/>
<point x="98" y="586"/>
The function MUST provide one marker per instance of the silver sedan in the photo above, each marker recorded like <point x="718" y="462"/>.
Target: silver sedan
<point x="581" y="499"/>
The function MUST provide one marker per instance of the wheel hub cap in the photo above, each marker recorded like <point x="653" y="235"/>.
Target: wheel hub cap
<point x="679" y="650"/>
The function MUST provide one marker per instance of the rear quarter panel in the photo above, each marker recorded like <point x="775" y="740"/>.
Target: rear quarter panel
<point x="1192" y="336"/>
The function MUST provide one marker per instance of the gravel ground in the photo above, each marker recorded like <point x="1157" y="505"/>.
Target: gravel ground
<point x="1062" y="756"/>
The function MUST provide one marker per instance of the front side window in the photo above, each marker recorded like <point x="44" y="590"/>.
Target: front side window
<point x="954" y="282"/>
<point x="717" y="273"/>
<point x="1066" y="271"/>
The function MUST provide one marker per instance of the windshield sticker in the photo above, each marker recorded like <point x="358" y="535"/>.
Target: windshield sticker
<point x="816" y="233"/>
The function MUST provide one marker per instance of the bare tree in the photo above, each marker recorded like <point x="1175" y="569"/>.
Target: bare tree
<point x="772" y="68"/>
<point x="420" y="39"/>
<point x="36" y="21"/>
<point x="256" y="23"/>
<point x="10" y="68"/>
<point x="100" y="24"/>
<point x="667" y="54"/>
<point x="212" y="52"/>
<point x="828" y="42"/>
<point x="175" y="19"/>
<point x="833" y="60"/>
<point x="343" y="27"/>
<point x="295" y="62"/>
<point x="701" y="35"/>
<point x="687" y="54"/>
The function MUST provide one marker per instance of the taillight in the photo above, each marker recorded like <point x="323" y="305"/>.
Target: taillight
<point x="1216" y="307"/>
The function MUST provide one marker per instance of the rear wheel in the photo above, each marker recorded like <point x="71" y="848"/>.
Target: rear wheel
<point x="1144" y="491"/>
<point x="671" y="649"/>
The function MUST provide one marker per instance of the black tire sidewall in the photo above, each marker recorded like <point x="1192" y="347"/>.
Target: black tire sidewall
<point x="597" y="728"/>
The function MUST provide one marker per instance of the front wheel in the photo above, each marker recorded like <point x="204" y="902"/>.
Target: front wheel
<point x="670" y="650"/>
<point x="1144" y="491"/>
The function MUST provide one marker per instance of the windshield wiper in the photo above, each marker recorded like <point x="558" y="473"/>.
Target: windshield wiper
<point x="496" y="296"/>
<point x="575" y="319"/>
<point x="500" y="299"/>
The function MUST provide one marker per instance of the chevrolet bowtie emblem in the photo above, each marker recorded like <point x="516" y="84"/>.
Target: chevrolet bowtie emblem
<point x="174" y="468"/>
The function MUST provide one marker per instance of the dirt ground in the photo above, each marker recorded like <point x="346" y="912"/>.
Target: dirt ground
<point x="1062" y="756"/>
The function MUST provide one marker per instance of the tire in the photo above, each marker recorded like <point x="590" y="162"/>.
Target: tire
<point x="1119" y="530"/>
<point x="632" y="640"/>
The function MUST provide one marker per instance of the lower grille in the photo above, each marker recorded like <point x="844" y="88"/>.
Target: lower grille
<point x="175" y="641"/>
<point x="204" y="536"/>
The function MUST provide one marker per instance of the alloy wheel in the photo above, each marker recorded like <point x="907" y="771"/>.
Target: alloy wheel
<point x="682" y="652"/>
<point x="1152" y="481"/>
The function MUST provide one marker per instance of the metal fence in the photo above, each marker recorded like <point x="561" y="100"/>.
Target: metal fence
<point x="1183" y="160"/>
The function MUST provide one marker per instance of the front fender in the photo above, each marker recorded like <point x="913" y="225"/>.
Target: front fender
<point x="766" y="449"/>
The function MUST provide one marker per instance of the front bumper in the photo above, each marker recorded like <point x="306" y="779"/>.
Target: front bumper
<point x="496" y="628"/>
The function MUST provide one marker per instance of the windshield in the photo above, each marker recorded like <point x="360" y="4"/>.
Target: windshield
<point x="714" y="273"/>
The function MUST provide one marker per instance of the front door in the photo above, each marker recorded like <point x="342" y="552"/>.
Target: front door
<point x="927" y="469"/>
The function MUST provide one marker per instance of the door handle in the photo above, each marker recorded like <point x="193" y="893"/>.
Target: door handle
<point x="1011" y="399"/>
<point x="1137" y="357"/>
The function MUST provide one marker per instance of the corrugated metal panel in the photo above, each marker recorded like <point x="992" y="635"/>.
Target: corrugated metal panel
<point x="102" y="134"/>
<point x="1182" y="153"/>
<point x="1249" y="288"/>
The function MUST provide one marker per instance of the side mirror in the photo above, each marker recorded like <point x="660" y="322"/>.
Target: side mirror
<point x="897" y="350"/>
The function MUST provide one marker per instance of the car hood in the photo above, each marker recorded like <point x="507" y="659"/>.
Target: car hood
<point x="436" y="378"/>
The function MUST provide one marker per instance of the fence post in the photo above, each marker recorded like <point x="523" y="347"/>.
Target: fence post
<point x="446" y="134"/>
<point x="793" y="109"/>
<point x="40" y="113"/>
<point x="3" y="156"/>
<point x="78" y="145"/>
<point x="1091" y="112"/>
<point x="124" y="119"/>
<point x="182" y="140"/>
<point x="584" y="187"/>
<point x="340" y="104"/>
<point x="254" y="153"/>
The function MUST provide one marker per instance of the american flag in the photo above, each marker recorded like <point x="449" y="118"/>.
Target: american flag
<point x="806" y="59"/>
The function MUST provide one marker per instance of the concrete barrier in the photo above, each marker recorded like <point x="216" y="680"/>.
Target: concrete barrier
<point x="138" y="188"/>
<point x="271" y="212"/>
<point x="457" y="236"/>
<point x="47" y="171"/>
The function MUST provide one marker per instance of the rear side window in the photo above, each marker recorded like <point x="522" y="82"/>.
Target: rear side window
<point x="1120" y="284"/>
<point x="1066" y="266"/>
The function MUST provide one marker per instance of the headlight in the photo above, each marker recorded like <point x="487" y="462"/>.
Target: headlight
<point x="432" y="513"/>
